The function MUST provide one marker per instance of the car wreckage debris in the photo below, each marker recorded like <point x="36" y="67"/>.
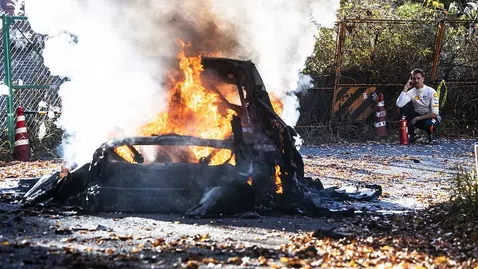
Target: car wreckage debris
<point x="263" y="147"/>
<point x="182" y="189"/>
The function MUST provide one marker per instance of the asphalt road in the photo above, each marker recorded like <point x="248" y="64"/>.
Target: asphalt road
<point x="412" y="177"/>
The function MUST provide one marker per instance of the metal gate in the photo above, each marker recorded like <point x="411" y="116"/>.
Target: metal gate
<point x="26" y="80"/>
<point x="435" y="52"/>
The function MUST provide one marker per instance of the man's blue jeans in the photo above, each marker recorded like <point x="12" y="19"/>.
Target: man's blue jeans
<point x="428" y="125"/>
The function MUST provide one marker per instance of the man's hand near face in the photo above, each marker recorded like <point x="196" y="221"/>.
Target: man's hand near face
<point x="408" y="86"/>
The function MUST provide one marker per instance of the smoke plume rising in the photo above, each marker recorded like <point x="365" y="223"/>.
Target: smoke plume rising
<point x="115" y="53"/>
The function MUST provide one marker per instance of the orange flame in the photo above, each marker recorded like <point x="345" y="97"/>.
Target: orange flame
<point x="279" y="189"/>
<point x="277" y="104"/>
<point x="125" y="153"/>
<point x="193" y="110"/>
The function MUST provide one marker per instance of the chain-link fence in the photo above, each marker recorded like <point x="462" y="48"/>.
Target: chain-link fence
<point x="367" y="52"/>
<point x="381" y="52"/>
<point x="458" y="59"/>
<point x="378" y="55"/>
<point x="28" y="83"/>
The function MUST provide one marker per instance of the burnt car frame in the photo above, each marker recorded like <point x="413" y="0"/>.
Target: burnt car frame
<point x="260" y="142"/>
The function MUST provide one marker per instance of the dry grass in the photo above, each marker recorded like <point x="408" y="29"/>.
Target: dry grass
<point x="464" y="193"/>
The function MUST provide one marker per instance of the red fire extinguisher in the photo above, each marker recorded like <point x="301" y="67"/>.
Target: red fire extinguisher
<point x="403" y="131"/>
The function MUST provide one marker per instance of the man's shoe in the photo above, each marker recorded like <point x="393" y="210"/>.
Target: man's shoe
<point x="432" y="139"/>
<point x="412" y="139"/>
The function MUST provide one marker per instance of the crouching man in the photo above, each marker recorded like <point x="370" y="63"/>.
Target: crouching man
<point x="419" y="104"/>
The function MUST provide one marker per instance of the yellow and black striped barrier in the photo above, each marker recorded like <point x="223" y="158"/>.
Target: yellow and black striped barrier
<point x="354" y="101"/>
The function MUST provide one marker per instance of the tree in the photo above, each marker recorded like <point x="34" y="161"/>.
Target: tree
<point x="383" y="52"/>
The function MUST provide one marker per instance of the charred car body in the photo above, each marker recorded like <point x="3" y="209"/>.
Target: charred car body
<point x="267" y="172"/>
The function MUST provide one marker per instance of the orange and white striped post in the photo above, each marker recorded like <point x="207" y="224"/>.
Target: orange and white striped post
<point x="21" y="151"/>
<point x="381" y="116"/>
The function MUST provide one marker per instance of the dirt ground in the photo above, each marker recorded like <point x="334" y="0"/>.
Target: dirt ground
<point x="402" y="229"/>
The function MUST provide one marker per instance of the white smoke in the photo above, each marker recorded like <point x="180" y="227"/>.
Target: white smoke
<point x="111" y="51"/>
<point x="111" y="84"/>
<point x="278" y="35"/>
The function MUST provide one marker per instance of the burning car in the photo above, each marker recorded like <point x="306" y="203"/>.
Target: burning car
<point x="233" y="154"/>
<point x="255" y="155"/>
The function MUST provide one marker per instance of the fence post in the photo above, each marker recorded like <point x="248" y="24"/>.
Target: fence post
<point x="6" y="22"/>
<point x="476" y="159"/>
<point x="436" y="54"/>
<point x="338" y="63"/>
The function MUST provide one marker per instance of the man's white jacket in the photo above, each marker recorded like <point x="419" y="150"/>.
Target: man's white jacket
<point x="424" y="100"/>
